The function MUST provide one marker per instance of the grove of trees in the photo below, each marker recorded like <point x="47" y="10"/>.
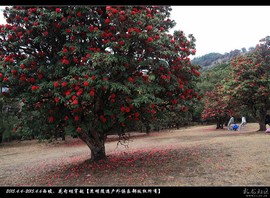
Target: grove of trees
<point x="93" y="71"/>
<point x="243" y="88"/>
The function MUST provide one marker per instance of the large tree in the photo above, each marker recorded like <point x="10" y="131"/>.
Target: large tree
<point x="96" y="69"/>
<point x="249" y="81"/>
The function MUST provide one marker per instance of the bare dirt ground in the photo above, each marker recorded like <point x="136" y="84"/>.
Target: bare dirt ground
<point x="192" y="156"/>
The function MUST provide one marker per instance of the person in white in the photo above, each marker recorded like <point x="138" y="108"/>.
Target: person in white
<point x="243" y="123"/>
<point x="231" y="121"/>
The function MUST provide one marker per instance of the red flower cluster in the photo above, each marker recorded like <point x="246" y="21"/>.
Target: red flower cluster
<point x="125" y="109"/>
<point x="35" y="87"/>
<point x="92" y="92"/>
<point x="102" y="118"/>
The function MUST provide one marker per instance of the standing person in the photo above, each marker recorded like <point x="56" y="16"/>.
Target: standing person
<point x="243" y="123"/>
<point x="231" y="121"/>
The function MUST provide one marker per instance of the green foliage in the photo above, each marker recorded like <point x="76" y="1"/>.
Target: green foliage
<point x="212" y="77"/>
<point x="207" y="59"/>
<point x="8" y="119"/>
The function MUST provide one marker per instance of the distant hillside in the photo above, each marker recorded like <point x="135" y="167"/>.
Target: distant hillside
<point x="212" y="59"/>
<point x="207" y="59"/>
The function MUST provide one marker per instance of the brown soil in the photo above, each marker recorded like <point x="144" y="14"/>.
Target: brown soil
<point x="192" y="156"/>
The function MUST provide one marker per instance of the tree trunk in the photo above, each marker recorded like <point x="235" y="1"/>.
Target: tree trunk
<point x="63" y="135"/>
<point x="147" y="129"/>
<point x="177" y="125"/>
<point x="98" y="152"/>
<point x="96" y="143"/>
<point x="219" y="123"/>
<point x="262" y="125"/>
<point x="261" y="120"/>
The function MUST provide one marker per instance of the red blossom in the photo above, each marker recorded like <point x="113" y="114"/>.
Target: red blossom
<point x="86" y="84"/>
<point x="22" y="66"/>
<point x="131" y="80"/>
<point x="122" y="18"/>
<point x="56" y="99"/>
<point x="174" y="101"/>
<point x="92" y="93"/>
<point x="75" y="102"/>
<point x="45" y="33"/>
<point x="123" y="109"/>
<point x="149" y="28"/>
<point x="91" y="28"/>
<point x="150" y="39"/>
<point x="22" y="78"/>
<point x="163" y="77"/>
<point x="102" y="118"/>
<point x="73" y="97"/>
<point x="76" y="118"/>
<point x="65" y="61"/>
<point x="136" y="114"/>
<point x="107" y="21"/>
<point x="51" y="119"/>
<point x="14" y="72"/>
<point x="127" y="109"/>
<point x="64" y="84"/>
<point x="79" y="92"/>
<point x="67" y="93"/>
<point x="121" y="42"/>
<point x="34" y="87"/>
<point x="40" y="76"/>
<point x="56" y="84"/>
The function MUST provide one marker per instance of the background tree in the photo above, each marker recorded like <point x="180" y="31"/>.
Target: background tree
<point x="96" y="70"/>
<point x="249" y="81"/>
<point x="209" y="81"/>
<point x="211" y="77"/>
<point x="217" y="106"/>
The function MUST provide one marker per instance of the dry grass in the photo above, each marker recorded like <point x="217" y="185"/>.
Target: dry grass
<point x="193" y="156"/>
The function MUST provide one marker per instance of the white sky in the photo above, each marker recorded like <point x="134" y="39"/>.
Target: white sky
<point x="2" y="20"/>
<point x="223" y="28"/>
<point x="220" y="28"/>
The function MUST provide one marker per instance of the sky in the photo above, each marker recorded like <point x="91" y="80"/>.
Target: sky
<point x="220" y="29"/>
